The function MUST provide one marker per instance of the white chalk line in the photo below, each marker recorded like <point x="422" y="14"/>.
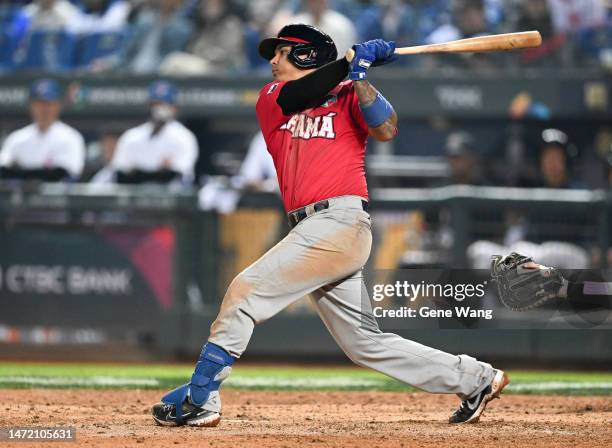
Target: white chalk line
<point x="281" y="383"/>
<point x="76" y="381"/>
<point x="347" y="382"/>
<point x="304" y="382"/>
<point x="557" y="385"/>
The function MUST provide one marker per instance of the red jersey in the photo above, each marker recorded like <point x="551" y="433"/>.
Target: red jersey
<point x="318" y="153"/>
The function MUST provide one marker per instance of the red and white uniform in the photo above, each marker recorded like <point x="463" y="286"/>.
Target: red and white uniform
<point x="319" y="152"/>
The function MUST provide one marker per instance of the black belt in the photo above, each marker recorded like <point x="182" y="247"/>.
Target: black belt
<point x="300" y="214"/>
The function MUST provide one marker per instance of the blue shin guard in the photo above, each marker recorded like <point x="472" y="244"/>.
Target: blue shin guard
<point x="213" y="366"/>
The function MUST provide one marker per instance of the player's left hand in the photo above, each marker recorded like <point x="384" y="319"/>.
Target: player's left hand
<point x="370" y="54"/>
<point x="383" y="50"/>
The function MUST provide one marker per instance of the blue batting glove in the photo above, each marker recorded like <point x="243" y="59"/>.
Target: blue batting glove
<point x="384" y="51"/>
<point x="362" y="61"/>
<point x="370" y="54"/>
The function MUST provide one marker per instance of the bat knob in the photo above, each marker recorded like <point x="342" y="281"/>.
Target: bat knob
<point x="350" y="54"/>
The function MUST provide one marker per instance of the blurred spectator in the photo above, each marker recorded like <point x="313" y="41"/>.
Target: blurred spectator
<point x="398" y="22"/>
<point x="218" y="46"/>
<point x="469" y="21"/>
<point x="50" y="15"/>
<point x="368" y="19"/>
<point x="257" y="173"/>
<point x="162" y="149"/>
<point x="463" y="160"/>
<point x="101" y="16"/>
<point x="42" y="38"/>
<point x="105" y="150"/>
<point x="495" y="12"/>
<point x="569" y="16"/>
<point x="47" y="149"/>
<point x="14" y="21"/>
<point x="429" y="16"/>
<point x="259" y="15"/>
<point x="575" y="32"/>
<point x="535" y="15"/>
<point x="159" y="29"/>
<point x="339" y="27"/>
<point x="554" y="160"/>
<point x="394" y="20"/>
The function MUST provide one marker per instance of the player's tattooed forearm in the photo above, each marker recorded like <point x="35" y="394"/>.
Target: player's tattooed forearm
<point x="367" y="94"/>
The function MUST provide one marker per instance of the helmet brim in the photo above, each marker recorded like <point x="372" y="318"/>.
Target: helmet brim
<point x="267" y="47"/>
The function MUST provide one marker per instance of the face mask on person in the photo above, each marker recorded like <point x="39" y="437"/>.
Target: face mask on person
<point x="162" y="113"/>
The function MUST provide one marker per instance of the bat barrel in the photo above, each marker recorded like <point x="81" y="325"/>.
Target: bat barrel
<point x="481" y="44"/>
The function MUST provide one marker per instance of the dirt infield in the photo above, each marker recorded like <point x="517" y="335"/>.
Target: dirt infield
<point x="322" y="419"/>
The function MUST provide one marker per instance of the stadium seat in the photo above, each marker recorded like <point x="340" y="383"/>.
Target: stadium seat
<point x="99" y="45"/>
<point x="7" y="49"/>
<point x="50" y="51"/>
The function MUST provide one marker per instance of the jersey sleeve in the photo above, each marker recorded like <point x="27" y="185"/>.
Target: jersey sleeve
<point x="269" y="113"/>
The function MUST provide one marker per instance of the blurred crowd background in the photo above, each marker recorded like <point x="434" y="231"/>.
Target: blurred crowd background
<point x="196" y="37"/>
<point x="219" y="38"/>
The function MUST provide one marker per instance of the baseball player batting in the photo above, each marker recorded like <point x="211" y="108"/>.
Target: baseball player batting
<point x="316" y="126"/>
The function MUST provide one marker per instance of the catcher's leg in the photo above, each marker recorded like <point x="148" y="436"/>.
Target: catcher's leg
<point x="345" y="309"/>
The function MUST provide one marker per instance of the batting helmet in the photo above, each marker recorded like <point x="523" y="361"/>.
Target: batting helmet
<point x="310" y="47"/>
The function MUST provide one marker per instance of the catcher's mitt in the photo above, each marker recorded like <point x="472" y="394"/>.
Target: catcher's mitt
<point x="523" y="284"/>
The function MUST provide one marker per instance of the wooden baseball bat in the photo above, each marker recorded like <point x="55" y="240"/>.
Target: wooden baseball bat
<point x="496" y="42"/>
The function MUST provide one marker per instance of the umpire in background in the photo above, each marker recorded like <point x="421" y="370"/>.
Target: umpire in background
<point x="47" y="149"/>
